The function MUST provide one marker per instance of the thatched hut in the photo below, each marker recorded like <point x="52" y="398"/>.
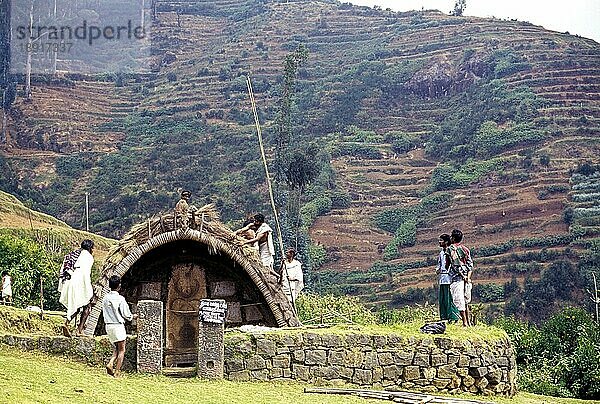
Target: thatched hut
<point x="183" y="260"/>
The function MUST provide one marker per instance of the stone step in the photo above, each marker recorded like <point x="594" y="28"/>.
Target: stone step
<point x="180" y="372"/>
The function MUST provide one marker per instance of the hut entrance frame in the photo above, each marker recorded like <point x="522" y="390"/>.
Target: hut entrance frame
<point x="180" y="267"/>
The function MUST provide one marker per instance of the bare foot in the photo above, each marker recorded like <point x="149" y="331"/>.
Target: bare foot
<point x="65" y="330"/>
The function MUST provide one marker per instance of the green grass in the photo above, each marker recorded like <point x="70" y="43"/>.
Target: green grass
<point x="33" y="378"/>
<point x="22" y="322"/>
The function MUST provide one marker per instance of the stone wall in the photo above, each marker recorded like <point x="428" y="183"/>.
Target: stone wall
<point x="428" y="364"/>
<point x="93" y="351"/>
<point x="380" y="361"/>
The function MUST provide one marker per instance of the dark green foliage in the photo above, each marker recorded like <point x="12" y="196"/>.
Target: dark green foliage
<point x="489" y="292"/>
<point x="491" y="101"/>
<point x="451" y="176"/>
<point x="73" y="165"/>
<point x="27" y="262"/>
<point x="561" y="357"/>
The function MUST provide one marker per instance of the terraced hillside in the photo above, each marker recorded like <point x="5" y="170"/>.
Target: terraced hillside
<point x="398" y="99"/>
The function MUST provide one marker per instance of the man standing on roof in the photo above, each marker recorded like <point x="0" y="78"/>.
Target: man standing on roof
<point x="182" y="208"/>
<point x="264" y="237"/>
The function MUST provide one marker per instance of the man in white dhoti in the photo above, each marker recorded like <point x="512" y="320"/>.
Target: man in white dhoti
<point x="264" y="237"/>
<point x="292" y="277"/>
<point x="75" y="285"/>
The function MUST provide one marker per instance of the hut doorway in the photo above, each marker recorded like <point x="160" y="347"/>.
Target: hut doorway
<point x="186" y="288"/>
<point x="180" y="274"/>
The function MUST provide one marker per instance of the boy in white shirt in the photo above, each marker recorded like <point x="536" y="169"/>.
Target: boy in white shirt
<point x="115" y="311"/>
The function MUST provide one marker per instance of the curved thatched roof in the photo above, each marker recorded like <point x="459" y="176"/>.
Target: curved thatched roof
<point x="204" y="227"/>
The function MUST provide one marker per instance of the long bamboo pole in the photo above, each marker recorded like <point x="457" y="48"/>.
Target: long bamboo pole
<point x="269" y="183"/>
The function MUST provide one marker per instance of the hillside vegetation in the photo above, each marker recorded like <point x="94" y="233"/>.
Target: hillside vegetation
<point x="423" y="122"/>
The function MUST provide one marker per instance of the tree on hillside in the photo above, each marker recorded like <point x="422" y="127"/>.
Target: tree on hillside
<point x="459" y="7"/>
<point x="7" y="87"/>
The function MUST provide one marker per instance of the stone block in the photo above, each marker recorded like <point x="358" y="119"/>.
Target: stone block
<point x="362" y="377"/>
<point x="256" y="362"/>
<point x="408" y="385"/>
<point x="494" y="375"/>
<point x="333" y="341"/>
<point x="354" y="358"/>
<point x="421" y="359"/>
<point x="475" y="363"/>
<point x="462" y="372"/>
<point x="251" y="314"/>
<point x="482" y="383"/>
<point x="344" y="372"/>
<point x="377" y="375"/>
<point x="359" y="341"/>
<point x="463" y="361"/>
<point x="502" y="362"/>
<point x="428" y="373"/>
<point x="480" y="371"/>
<point x="265" y="347"/>
<point x="443" y="343"/>
<point x="234" y="312"/>
<point x="260" y="375"/>
<point x="300" y="372"/>
<point x="336" y="358"/>
<point x="394" y="341"/>
<point x="150" y="336"/>
<point x="222" y="289"/>
<point x="284" y="350"/>
<point x="275" y="373"/>
<point x="234" y="365"/>
<point x="446" y="371"/>
<point x="84" y="346"/>
<point x="453" y="359"/>
<point x="311" y="339"/>
<point x="281" y="361"/>
<point x="379" y="341"/>
<point x="326" y="372"/>
<point x="315" y="357"/>
<point x="455" y="382"/>
<point x="370" y="360"/>
<point x="385" y="358"/>
<point x="211" y="351"/>
<point x="441" y="383"/>
<point x="241" y="376"/>
<point x="298" y="355"/>
<point x="411" y="373"/>
<point x="468" y="381"/>
<point x="391" y="372"/>
<point x="438" y="359"/>
<point x="58" y="344"/>
<point x="404" y="358"/>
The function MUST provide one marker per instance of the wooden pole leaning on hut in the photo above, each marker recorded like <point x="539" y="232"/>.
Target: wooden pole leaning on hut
<point x="269" y="184"/>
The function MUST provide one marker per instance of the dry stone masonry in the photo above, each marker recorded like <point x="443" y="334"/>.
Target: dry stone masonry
<point x="210" y="339"/>
<point x="150" y="336"/>
<point x="382" y="361"/>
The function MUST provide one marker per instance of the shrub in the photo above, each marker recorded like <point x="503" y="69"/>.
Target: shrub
<point x="489" y="292"/>
<point x="332" y="310"/>
<point x="27" y="262"/>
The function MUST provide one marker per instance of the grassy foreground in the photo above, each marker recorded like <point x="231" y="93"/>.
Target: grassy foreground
<point x="35" y="378"/>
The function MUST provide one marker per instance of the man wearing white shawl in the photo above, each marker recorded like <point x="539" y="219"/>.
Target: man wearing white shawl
<point x="294" y="283"/>
<point x="75" y="285"/>
<point x="264" y="237"/>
